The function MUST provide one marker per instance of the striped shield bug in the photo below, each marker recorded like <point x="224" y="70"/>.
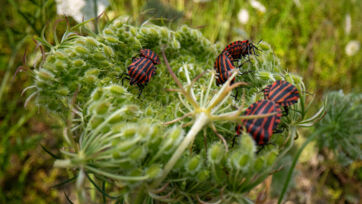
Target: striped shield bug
<point x="282" y="93"/>
<point x="142" y="69"/>
<point x="150" y="55"/>
<point x="261" y="129"/>
<point x="224" y="67"/>
<point x="239" y="49"/>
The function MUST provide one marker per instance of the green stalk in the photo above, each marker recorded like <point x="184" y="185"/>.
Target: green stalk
<point x="200" y="122"/>
<point x="290" y="172"/>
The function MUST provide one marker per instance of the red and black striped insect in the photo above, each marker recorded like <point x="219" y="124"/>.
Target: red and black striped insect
<point x="261" y="129"/>
<point x="282" y="93"/>
<point x="224" y="67"/>
<point x="150" y="55"/>
<point x="239" y="49"/>
<point x="142" y="69"/>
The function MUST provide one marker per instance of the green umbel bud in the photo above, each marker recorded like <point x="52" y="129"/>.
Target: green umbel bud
<point x="154" y="171"/>
<point x="203" y="175"/>
<point x="259" y="163"/>
<point x="45" y="75"/>
<point x="138" y="153"/>
<point x="193" y="165"/>
<point x="97" y="94"/>
<point x="108" y="51"/>
<point x="216" y="153"/>
<point x="102" y="108"/>
<point x="91" y="42"/>
<point x="247" y="143"/>
<point x="270" y="158"/>
<point x="81" y="50"/>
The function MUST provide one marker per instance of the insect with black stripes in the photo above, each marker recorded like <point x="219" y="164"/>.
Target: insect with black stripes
<point x="239" y="49"/>
<point x="261" y="129"/>
<point x="142" y="68"/>
<point x="282" y="93"/>
<point x="224" y="68"/>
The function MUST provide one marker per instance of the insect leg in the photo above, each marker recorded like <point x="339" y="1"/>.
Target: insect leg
<point x="123" y="76"/>
<point x="286" y="111"/>
<point x="277" y="131"/>
<point x="234" y="138"/>
<point x="141" y="87"/>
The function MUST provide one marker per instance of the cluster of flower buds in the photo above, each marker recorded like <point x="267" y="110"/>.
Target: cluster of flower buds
<point x="122" y="138"/>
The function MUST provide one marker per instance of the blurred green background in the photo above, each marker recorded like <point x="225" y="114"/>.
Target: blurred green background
<point x="319" y="40"/>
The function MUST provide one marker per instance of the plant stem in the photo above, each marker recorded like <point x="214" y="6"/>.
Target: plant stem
<point x="290" y="172"/>
<point x="138" y="196"/>
<point x="201" y="121"/>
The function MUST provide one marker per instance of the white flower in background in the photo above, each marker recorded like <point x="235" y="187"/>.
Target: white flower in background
<point x="80" y="9"/>
<point x="352" y="47"/>
<point x="258" y="6"/>
<point x="297" y="3"/>
<point x="71" y="8"/>
<point x="348" y="26"/>
<point x="243" y="16"/>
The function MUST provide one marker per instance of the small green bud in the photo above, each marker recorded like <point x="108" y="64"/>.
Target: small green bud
<point x="164" y="33"/>
<point x="239" y="160"/>
<point x="126" y="35"/>
<point x="90" y="79"/>
<point x="108" y="31"/>
<point x="91" y="42"/>
<point x="60" y="55"/>
<point x="138" y="153"/>
<point x="136" y="172"/>
<point x="154" y="132"/>
<point x="193" y="165"/>
<point x="203" y="175"/>
<point x="116" y="89"/>
<point x="81" y="50"/>
<point x="270" y="157"/>
<point x="297" y="79"/>
<point x="154" y="171"/>
<point x="102" y="108"/>
<point x="267" y="76"/>
<point x="45" y="75"/>
<point x="278" y="77"/>
<point x="50" y="59"/>
<point x="264" y="46"/>
<point x="78" y="63"/>
<point x="144" y="131"/>
<point x="116" y="119"/>
<point x="124" y="147"/>
<point x="131" y="109"/>
<point x="215" y="153"/>
<point x="106" y="129"/>
<point x="259" y="163"/>
<point x="63" y="91"/>
<point x="111" y="39"/>
<point x="108" y="51"/>
<point x="195" y="33"/>
<point x="99" y="56"/>
<point x="242" y="162"/>
<point x="175" y="44"/>
<point x="247" y="143"/>
<point x="60" y="65"/>
<point x="133" y="31"/>
<point x="93" y="71"/>
<point x="130" y="132"/>
<point x="95" y="121"/>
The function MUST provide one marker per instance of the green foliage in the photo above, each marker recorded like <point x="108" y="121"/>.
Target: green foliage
<point x="341" y="126"/>
<point x="303" y="47"/>
<point x="122" y="139"/>
<point x="25" y="170"/>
